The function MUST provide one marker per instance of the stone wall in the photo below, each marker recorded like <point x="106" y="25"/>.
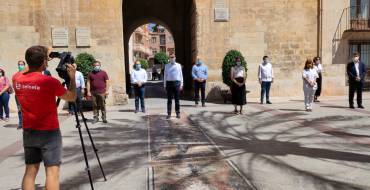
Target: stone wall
<point x="29" y="22"/>
<point x="287" y="31"/>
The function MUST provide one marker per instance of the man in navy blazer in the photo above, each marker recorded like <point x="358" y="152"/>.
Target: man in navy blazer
<point x="356" y="72"/>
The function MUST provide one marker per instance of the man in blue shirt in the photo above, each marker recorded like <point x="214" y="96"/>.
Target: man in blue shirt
<point x="200" y="76"/>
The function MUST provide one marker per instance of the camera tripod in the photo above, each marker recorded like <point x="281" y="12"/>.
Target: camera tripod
<point x="78" y="126"/>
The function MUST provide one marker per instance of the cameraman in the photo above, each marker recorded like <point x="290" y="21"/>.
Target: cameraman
<point x="41" y="135"/>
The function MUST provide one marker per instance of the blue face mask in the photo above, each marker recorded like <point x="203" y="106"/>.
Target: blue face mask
<point x="137" y="66"/>
<point x="199" y="63"/>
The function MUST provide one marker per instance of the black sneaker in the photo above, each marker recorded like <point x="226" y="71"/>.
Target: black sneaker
<point x="268" y="102"/>
<point x="361" y="107"/>
<point x="178" y="116"/>
<point x="352" y="107"/>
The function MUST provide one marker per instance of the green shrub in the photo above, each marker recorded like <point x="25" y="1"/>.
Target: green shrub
<point x="144" y="63"/>
<point x="161" y="58"/>
<point x="229" y="61"/>
<point x="85" y="63"/>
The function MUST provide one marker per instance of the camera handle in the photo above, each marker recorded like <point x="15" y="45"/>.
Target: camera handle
<point x="78" y="126"/>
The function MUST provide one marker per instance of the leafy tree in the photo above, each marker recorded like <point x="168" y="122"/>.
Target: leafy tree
<point x="144" y="63"/>
<point x="161" y="58"/>
<point x="229" y="61"/>
<point x="85" y="63"/>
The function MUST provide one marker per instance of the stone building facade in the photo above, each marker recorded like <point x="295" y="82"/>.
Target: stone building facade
<point x="289" y="31"/>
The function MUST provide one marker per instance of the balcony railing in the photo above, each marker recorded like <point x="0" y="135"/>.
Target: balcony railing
<point x="353" y="19"/>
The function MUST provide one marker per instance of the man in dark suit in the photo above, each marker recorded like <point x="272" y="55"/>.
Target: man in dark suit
<point x="356" y="72"/>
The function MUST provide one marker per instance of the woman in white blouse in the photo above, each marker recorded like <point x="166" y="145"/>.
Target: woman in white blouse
<point x="309" y="84"/>
<point x="238" y="76"/>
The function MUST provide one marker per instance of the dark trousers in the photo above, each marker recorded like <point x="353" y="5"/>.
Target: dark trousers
<point x="99" y="104"/>
<point x="78" y="101"/>
<point x="319" y="84"/>
<point x="265" y="90"/>
<point x="173" y="91"/>
<point x="202" y="87"/>
<point x="20" y="120"/>
<point x="355" y="86"/>
<point x="139" y="97"/>
<point x="4" y="105"/>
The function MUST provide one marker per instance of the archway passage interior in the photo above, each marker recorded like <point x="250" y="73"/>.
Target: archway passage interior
<point x="178" y="16"/>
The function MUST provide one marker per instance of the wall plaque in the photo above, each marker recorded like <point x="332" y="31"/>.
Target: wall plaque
<point x="59" y="36"/>
<point x="83" y="36"/>
<point x="221" y="14"/>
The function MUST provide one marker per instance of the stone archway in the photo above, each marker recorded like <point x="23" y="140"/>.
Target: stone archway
<point x="178" y="16"/>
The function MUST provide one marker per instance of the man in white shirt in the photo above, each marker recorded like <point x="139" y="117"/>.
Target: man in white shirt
<point x="80" y="90"/>
<point x="173" y="83"/>
<point x="265" y="77"/>
<point x="138" y="79"/>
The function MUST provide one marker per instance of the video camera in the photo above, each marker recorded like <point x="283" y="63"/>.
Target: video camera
<point x="65" y="58"/>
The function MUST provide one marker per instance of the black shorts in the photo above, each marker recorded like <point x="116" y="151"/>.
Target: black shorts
<point x="43" y="146"/>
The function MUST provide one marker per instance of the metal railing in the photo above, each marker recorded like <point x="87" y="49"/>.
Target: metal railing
<point x="355" y="18"/>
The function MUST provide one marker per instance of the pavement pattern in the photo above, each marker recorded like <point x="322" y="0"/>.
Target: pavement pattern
<point x="269" y="147"/>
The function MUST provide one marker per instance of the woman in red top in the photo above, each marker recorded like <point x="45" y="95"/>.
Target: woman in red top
<point x="4" y="96"/>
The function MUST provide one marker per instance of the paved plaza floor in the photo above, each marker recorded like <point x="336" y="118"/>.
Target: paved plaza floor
<point x="269" y="147"/>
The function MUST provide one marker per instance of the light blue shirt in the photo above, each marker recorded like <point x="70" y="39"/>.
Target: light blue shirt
<point x="139" y="76"/>
<point x="173" y="72"/>
<point x="80" y="80"/>
<point x="200" y="72"/>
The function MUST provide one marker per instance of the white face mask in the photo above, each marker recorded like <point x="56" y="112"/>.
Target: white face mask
<point x="97" y="68"/>
<point x="238" y="63"/>
<point x="356" y="59"/>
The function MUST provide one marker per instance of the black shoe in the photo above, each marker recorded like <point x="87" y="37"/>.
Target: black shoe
<point x="261" y="102"/>
<point x="361" y="107"/>
<point x="143" y="111"/>
<point x="268" y="102"/>
<point x="203" y="105"/>
<point x="168" y="117"/>
<point x="352" y="107"/>
<point x="105" y="121"/>
<point x="136" y="111"/>
<point x="178" y="116"/>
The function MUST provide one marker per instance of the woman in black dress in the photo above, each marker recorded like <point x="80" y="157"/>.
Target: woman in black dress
<point x="237" y="76"/>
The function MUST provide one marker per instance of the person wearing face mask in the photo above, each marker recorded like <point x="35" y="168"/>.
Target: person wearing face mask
<point x="173" y="83"/>
<point x="138" y="79"/>
<point x="21" y="67"/>
<point x="200" y="76"/>
<point x="80" y="87"/>
<point x="356" y="72"/>
<point x="238" y="77"/>
<point x="4" y="96"/>
<point x="309" y="76"/>
<point x="318" y="67"/>
<point x="265" y="78"/>
<point x="97" y="88"/>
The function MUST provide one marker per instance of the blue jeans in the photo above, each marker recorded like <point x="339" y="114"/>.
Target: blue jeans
<point x="173" y="91"/>
<point x="20" y="123"/>
<point x="139" y="96"/>
<point x="265" y="90"/>
<point x="4" y="105"/>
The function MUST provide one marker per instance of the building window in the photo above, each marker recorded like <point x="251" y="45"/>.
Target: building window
<point x="364" y="49"/>
<point x="155" y="52"/>
<point x="360" y="9"/>
<point x="154" y="40"/>
<point x="162" y="40"/>
<point x="163" y="49"/>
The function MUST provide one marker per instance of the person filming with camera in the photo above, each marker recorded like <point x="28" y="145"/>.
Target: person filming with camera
<point x="37" y="94"/>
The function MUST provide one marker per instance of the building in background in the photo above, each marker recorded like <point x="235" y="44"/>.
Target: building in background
<point x="139" y="44"/>
<point x="161" y="40"/>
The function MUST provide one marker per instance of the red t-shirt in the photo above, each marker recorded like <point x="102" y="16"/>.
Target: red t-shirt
<point x="37" y="94"/>
<point x="98" y="82"/>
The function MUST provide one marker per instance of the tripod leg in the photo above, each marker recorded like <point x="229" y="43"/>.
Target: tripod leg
<point x="93" y="144"/>
<point x="78" y="126"/>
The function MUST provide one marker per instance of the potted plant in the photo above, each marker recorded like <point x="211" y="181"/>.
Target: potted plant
<point x="229" y="61"/>
<point x="85" y="63"/>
